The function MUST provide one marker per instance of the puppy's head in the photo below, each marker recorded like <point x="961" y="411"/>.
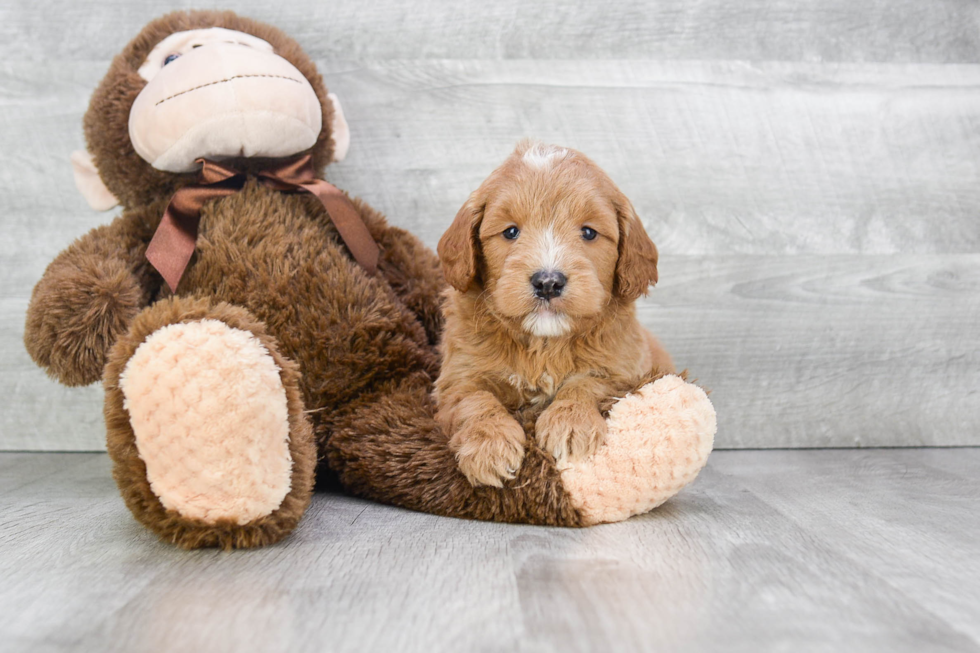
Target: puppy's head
<point x="549" y="241"/>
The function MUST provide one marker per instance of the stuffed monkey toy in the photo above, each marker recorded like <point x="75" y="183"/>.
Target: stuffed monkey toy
<point x="253" y="326"/>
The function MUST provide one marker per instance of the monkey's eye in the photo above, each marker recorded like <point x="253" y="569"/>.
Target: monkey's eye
<point x="589" y="233"/>
<point x="511" y="233"/>
<point x="171" y="58"/>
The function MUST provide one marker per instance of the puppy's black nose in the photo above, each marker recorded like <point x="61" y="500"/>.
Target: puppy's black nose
<point x="548" y="284"/>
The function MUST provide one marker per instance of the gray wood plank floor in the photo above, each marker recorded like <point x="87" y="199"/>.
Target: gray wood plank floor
<point x="807" y="550"/>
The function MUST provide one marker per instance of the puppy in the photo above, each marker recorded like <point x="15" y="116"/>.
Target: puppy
<point x="545" y="261"/>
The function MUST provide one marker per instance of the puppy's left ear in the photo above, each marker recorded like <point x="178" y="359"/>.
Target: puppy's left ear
<point x="458" y="247"/>
<point x="636" y="269"/>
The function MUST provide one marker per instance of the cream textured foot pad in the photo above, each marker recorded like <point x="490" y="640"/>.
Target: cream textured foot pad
<point x="658" y="440"/>
<point x="208" y="409"/>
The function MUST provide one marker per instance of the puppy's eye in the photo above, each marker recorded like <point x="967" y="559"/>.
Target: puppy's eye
<point x="511" y="233"/>
<point x="589" y="233"/>
<point x="171" y="58"/>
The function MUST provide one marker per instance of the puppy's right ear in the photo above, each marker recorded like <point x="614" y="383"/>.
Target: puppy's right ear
<point x="458" y="247"/>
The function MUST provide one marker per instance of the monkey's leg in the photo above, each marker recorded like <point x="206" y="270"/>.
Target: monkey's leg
<point x="658" y="439"/>
<point x="393" y="451"/>
<point x="206" y="427"/>
<point x="411" y="268"/>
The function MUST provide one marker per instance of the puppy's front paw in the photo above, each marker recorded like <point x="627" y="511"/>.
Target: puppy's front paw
<point x="570" y="430"/>
<point x="489" y="452"/>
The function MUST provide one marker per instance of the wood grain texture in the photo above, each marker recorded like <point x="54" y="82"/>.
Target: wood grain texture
<point x="717" y="157"/>
<point x="828" y="351"/>
<point x="835" y="150"/>
<point x="936" y="552"/>
<point x="832" y="550"/>
<point x="940" y="31"/>
<point x="798" y="351"/>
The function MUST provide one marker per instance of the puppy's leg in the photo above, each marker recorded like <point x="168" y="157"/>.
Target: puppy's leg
<point x="572" y="427"/>
<point x="487" y="441"/>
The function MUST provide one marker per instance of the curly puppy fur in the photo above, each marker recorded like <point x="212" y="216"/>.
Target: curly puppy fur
<point x="356" y="352"/>
<point x="561" y="353"/>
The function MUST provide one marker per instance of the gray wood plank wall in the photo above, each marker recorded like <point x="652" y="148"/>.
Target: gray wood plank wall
<point x="808" y="169"/>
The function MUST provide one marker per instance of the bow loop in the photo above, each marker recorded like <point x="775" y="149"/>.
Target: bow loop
<point x="213" y="173"/>
<point x="172" y="246"/>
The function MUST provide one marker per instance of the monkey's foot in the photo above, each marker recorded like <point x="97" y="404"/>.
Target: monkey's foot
<point x="207" y="452"/>
<point x="657" y="441"/>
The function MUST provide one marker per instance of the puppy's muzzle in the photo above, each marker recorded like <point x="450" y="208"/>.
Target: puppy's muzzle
<point x="548" y="284"/>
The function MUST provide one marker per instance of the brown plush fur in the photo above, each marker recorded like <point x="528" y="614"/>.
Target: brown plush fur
<point x="394" y="452"/>
<point x="356" y="350"/>
<point x="494" y="361"/>
<point x="87" y="298"/>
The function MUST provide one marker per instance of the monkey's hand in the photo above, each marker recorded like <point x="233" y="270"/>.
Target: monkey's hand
<point x="84" y="301"/>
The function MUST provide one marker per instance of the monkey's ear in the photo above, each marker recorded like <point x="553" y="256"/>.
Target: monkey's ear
<point x="89" y="183"/>
<point x="339" y="130"/>
<point x="458" y="247"/>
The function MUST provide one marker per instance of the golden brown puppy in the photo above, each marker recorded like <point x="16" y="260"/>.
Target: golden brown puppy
<point x="545" y="259"/>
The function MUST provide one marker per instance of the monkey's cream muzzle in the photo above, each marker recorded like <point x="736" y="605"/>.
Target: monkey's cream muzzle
<point x="225" y="94"/>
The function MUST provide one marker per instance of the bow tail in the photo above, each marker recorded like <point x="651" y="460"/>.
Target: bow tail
<point x="172" y="245"/>
<point x="348" y="222"/>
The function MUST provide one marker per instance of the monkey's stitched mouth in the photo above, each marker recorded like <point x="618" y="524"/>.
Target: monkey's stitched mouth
<point x="222" y="81"/>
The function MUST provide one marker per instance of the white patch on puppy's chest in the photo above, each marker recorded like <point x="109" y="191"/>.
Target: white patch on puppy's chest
<point x="547" y="384"/>
<point x="517" y="381"/>
<point x="534" y="393"/>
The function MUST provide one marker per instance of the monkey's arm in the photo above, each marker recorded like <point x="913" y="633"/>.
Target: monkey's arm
<point x="88" y="296"/>
<point x="412" y="269"/>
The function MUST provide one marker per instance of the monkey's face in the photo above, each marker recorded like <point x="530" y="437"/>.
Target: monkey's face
<point x="218" y="93"/>
<point x="203" y="84"/>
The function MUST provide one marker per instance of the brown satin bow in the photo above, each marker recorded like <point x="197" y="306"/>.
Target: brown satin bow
<point x="172" y="245"/>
